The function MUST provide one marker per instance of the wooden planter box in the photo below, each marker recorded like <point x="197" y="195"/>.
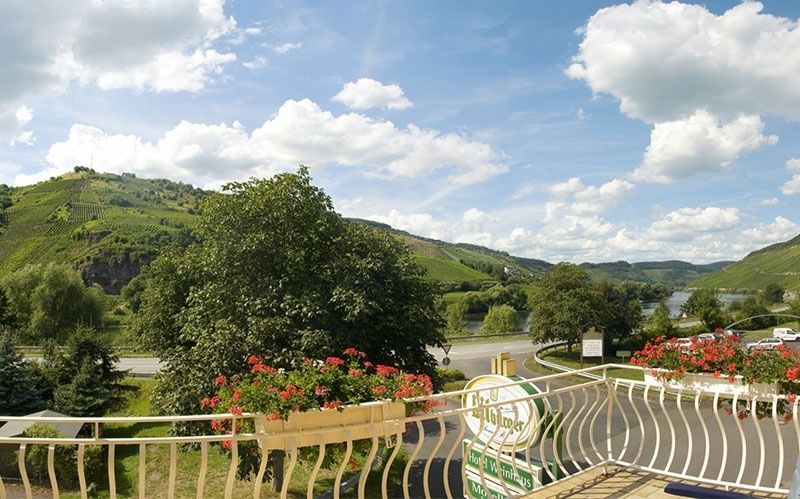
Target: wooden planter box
<point x="707" y="382"/>
<point x="354" y="422"/>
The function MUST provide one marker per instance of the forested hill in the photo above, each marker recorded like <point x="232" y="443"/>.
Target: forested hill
<point x="105" y="225"/>
<point x="108" y="226"/>
<point x="458" y="262"/>
<point x="778" y="263"/>
<point x="671" y="272"/>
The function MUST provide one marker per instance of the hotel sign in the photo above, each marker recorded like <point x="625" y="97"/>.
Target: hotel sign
<point x="508" y="427"/>
<point x="517" y="474"/>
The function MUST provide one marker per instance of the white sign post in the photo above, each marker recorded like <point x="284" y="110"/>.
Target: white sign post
<point x="592" y="345"/>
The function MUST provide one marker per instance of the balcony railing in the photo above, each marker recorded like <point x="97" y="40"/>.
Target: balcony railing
<point x="535" y="439"/>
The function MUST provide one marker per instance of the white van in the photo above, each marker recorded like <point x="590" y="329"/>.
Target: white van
<point x="786" y="334"/>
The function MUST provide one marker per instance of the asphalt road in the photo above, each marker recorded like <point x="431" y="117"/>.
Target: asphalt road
<point x="473" y="359"/>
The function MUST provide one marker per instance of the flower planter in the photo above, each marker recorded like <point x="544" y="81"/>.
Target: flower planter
<point x="354" y="422"/>
<point x="708" y="383"/>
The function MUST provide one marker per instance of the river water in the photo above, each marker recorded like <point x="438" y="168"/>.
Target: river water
<point x="674" y="302"/>
<point x="678" y="298"/>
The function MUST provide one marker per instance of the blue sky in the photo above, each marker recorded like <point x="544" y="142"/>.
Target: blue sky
<point x="581" y="131"/>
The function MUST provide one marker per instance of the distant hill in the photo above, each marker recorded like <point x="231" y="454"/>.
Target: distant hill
<point x="778" y="263"/>
<point x="108" y="226"/>
<point x="671" y="272"/>
<point x="105" y="225"/>
<point x="460" y="262"/>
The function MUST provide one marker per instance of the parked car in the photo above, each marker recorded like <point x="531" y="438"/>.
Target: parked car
<point x="734" y="332"/>
<point x="710" y="336"/>
<point x="765" y="344"/>
<point x="786" y="334"/>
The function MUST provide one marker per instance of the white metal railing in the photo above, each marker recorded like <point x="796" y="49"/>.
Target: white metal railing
<point x="601" y="422"/>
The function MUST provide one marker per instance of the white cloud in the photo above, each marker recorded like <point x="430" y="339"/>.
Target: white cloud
<point x="422" y="224"/>
<point x="663" y="61"/>
<point x="586" y="200"/>
<point x="582" y="115"/>
<point x="781" y="229"/>
<point x="367" y="93"/>
<point x="476" y="220"/>
<point x="768" y="202"/>
<point x="792" y="186"/>
<point x="479" y="238"/>
<point x="160" y="46"/>
<point x="284" y="47"/>
<point x="12" y="125"/>
<point x="699" y="144"/>
<point x="299" y="133"/>
<point x="257" y="63"/>
<point x="688" y="223"/>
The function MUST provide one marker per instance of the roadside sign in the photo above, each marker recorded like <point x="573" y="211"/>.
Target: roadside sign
<point x="517" y="474"/>
<point x="623" y="353"/>
<point x="446" y="361"/>
<point x="474" y="489"/>
<point x="446" y="349"/>
<point x="517" y="426"/>
<point x="592" y="344"/>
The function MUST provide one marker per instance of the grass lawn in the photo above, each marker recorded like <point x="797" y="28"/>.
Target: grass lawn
<point x="573" y="361"/>
<point x="137" y="403"/>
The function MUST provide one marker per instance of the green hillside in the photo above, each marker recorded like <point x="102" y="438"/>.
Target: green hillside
<point x="460" y="262"/>
<point x="105" y="225"/>
<point x="671" y="272"/>
<point x="778" y="263"/>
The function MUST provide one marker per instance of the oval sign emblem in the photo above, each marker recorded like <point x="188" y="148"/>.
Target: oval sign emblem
<point x="509" y="427"/>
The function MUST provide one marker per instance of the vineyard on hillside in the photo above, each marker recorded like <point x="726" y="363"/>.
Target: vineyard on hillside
<point x="84" y="216"/>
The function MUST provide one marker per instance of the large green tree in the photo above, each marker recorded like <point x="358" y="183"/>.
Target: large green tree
<point x="49" y="301"/>
<point x="773" y="293"/>
<point x="500" y="319"/>
<point x="280" y="274"/>
<point x="661" y="321"/>
<point x="620" y="315"/>
<point x="704" y="303"/>
<point x="563" y="304"/>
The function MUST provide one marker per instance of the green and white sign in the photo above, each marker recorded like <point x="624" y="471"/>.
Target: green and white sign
<point x="510" y="427"/>
<point x="518" y="476"/>
<point x="474" y="489"/>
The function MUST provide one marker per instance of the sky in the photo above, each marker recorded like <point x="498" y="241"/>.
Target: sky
<point x="565" y="131"/>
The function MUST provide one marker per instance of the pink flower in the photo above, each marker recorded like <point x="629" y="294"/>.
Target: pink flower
<point x="253" y="360"/>
<point x="333" y="404"/>
<point x="227" y="444"/>
<point x="220" y="379"/>
<point x="385" y="371"/>
<point x="379" y="390"/>
<point x="236" y="410"/>
<point x="261" y="368"/>
<point x="356" y="373"/>
<point x="237" y="395"/>
<point x="354" y="352"/>
<point x="273" y="416"/>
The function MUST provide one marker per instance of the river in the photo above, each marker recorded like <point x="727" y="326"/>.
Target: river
<point x="678" y="298"/>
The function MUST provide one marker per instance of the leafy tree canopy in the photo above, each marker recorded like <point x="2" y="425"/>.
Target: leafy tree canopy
<point x="280" y="274"/>
<point x="50" y="301"/>
<point x="500" y="319"/>
<point x="773" y="293"/>
<point x="705" y="304"/>
<point x="563" y="304"/>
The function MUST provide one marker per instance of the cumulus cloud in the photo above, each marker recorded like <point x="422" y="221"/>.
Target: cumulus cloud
<point x="12" y="125"/>
<point x="367" y="93"/>
<point x="299" y="133"/>
<point x="700" y="143"/>
<point x="663" y="61"/>
<point x="781" y="229"/>
<point x="422" y="224"/>
<point x="687" y="223"/>
<point x="160" y="46"/>
<point x="768" y="202"/>
<point x="476" y="220"/>
<point x="792" y="186"/>
<point x="572" y="197"/>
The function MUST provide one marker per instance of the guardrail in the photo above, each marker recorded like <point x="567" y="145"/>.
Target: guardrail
<point x="541" y="430"/>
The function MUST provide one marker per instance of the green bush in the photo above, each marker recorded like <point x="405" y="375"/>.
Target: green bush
<point x="500" y="319"/>
<point x="66" y="459"/>
<point x="448" y="375"/>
